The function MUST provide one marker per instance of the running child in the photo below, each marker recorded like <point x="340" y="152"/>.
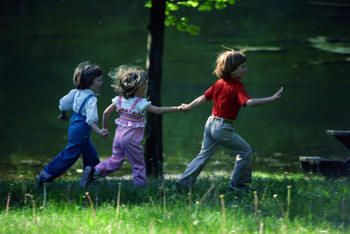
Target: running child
<point x="131" y="84"/>
<point x="228" y="95"/>
<point x="83" y="101"/>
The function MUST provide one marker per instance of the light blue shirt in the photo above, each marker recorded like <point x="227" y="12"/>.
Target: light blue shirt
<point x="73" y="101"/>
<point x="126" y="104"/>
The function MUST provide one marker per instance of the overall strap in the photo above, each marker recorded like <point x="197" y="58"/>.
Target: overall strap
<point x="120" y="98"/>
<point x="84" y="102"/>
<point x="135" y="103"/>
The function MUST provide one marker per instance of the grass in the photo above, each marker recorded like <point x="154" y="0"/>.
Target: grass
<point x="287" y="203"/>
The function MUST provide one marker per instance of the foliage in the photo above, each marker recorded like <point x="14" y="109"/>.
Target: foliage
<point x="283" y="203"/>
<point x="182" y="23"/>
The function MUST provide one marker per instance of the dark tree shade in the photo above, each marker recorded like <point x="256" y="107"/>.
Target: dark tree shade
<point x="153" y="133"/>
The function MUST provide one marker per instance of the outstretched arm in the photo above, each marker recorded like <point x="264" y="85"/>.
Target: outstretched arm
<point x="259" y="101"/>
<point x="195" y="103"/>
<point x="102" y="132"/>
<point x="106" y="114"/>
<point x="162" y="109"/>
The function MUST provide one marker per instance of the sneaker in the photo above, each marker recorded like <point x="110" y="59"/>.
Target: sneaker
<point x="240" y="187"/>
<point x="96" y="174"/>
<point x="181" y="188"/>
<point x="86" y="176"/>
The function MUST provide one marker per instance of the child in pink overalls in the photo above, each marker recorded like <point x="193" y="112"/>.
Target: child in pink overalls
<point x="131" y="84"/>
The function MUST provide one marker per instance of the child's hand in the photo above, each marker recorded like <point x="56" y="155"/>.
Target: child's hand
<point x="181" y="107"/>
<point x="184" y="108"/>
<point x="104" y="133"/>
<point x="62" y="116"/>
<point x="278" y="94"/>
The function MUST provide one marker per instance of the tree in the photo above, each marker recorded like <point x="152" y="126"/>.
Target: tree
<point x="163" y="13"/>
<point x="154" y="134"/>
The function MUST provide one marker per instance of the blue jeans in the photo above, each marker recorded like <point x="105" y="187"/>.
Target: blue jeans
<point x="219" y="132"/>
<point x="78" y="143"/>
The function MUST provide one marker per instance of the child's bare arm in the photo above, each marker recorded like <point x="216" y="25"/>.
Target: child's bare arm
<point x="195" y="103"/>
<point x="102" y="132"/>
<point x="162" y="109"/>
<point x="259" y="101"/>
<point x="106" y="114"/>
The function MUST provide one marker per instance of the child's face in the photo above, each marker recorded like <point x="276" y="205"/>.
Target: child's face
<point x="97" y="84"/>
<point x="240" y="71"/>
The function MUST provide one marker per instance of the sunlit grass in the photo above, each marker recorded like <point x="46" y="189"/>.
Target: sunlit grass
<point x="286" y="203"/>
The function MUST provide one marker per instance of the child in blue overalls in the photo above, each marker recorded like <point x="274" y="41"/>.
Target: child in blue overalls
<point x="83" y="101"/>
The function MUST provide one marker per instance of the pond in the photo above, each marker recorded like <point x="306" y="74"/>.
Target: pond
<point x="301" y="45"/>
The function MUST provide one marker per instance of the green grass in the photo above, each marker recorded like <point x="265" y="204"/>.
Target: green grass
<point x="282" y="204"/>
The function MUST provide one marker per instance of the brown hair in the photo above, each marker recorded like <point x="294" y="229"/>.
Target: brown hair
<point x="228" y="61"/>
<point x="84" y="75"/>
<point x="127" y="80"/>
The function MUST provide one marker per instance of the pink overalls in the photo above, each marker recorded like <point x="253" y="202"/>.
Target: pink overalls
<point x="127" y="143"/>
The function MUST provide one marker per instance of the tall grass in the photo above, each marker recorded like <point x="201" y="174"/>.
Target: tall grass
<point x="281" y="204"/>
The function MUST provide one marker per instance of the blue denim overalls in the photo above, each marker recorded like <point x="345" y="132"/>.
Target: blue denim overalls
<point x="78" y="143"/>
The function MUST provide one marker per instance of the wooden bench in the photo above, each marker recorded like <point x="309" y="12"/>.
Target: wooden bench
<point x="329" y="167"/>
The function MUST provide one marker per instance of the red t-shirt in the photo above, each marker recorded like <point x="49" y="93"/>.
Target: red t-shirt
<point x="228" y="96"/>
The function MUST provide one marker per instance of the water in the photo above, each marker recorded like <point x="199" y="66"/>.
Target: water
<point x="42" y="42"/>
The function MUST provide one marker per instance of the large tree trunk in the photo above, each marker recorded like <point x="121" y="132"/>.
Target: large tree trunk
<point x="153" y="134"/>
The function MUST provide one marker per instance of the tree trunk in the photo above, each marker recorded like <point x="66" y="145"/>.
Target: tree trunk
<point x="153" y="133"/>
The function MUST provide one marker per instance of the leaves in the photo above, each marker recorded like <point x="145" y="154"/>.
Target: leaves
<point x="183" y="23"/>
<point x="170" y="20"/>
<point x="206" y="6"/>
<point x="148" y="4"/>
<point x="172" y="6"/>
<point x="189" y="3"/>
<point x="184" y="26"/>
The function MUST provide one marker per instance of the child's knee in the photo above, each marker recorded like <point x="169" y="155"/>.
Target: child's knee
<point x="246" y="153"/>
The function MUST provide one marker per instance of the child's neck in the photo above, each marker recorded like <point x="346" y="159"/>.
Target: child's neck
<point x="235" y="78"/>
<point x="140" y="93"/>
<point x="93" y="91"/>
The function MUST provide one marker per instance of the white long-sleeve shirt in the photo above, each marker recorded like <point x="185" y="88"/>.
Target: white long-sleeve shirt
<point x="73" y="101"/>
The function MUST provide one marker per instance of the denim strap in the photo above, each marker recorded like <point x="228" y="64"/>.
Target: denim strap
<point x="84" y="102"/>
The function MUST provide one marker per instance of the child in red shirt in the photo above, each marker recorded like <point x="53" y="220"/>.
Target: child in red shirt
<point x="228" y="95"/>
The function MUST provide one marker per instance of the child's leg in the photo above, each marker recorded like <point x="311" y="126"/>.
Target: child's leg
<point x="78" y="135"/>
<point x="134" y="152"/>
<point x="136" y="159"/>
<point x="242" y="172"/>
<point x="63" y="161"/>
<point x="90" y="157"/>
<point x="115" y="162"/>
<point x="209" y="145"/>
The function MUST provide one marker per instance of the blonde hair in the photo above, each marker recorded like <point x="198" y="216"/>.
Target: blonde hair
<point x="228" y="61"/>
<point x="127" y="80"/>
